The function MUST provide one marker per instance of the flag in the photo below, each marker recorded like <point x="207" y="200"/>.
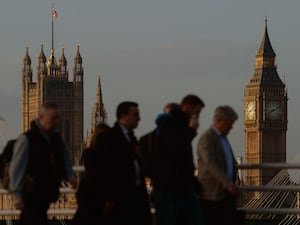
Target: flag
<point x="54" y="14"/>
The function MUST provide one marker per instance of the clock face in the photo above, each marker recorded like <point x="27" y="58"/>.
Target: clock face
<point x="250" y="110"/>
<point x="273" y="110"/>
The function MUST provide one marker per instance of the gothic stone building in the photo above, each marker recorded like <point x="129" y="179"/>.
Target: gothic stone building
<point x="265" y="115"/>
<point x="53" y="84"/>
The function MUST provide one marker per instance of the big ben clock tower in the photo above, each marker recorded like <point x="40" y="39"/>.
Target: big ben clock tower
<point x="265" y="115"/>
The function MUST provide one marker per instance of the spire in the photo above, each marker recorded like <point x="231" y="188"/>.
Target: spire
<point x="99" y="113"/>
<point x="63" y="60"/>
<point x="27" y="71"/>
<point x="42" y="57"/>
<point x="99" y="92"/>
<point x="78" y="59"/>
<point x="265" y="73"/>
<point x="27" y="59"/>
<point x="265" y="48"/>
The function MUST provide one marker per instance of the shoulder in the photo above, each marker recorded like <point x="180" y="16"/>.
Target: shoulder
<point x="208" y="134"/>
<point x="22" y="139"/>
<point x="147" y="135"/>
<point x="110" y="136"/>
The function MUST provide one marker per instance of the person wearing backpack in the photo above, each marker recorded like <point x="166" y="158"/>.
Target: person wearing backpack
<point x="39" y="164"/>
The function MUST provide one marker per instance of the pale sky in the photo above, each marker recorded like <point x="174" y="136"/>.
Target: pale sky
<point x="154" y="52"/>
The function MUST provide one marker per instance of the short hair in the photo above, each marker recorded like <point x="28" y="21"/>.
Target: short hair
<point x="48" y="105"/>
<point x="225" y="112"/>
<point x="171" y="106"/>
<point x="123" y="108"/>
<point x="98" y="131"/>
<point x="192" y="100"/>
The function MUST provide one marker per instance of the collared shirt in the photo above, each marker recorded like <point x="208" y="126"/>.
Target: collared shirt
<point x="137" y="169"/>
<point x="125" y="132"/>
<point x="228" y="155"/>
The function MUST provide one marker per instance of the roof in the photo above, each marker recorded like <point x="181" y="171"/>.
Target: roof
<point x="265" y="48"/>
<point x="7" y="132"/>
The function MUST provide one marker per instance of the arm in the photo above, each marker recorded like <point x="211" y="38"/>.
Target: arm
<point x="17" y="169"/>
<point x="70" y="175"/>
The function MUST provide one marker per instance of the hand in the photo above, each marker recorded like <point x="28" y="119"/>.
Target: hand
<point x="19" y="204"/>
<point x="233" y="189"/>
<point x="194" y="122"/>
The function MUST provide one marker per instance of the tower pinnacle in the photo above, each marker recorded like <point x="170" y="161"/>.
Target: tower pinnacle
<point x="265" y="48"/>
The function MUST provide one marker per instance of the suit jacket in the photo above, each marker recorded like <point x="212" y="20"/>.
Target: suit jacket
<point x="117" y="179"/>
<point x="212" y="166"/>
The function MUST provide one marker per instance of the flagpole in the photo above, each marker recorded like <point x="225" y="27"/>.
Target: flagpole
<point x="52" y="26"/>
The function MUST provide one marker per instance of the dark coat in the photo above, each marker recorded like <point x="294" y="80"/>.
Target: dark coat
<point x="172" y="166"/>
<point x="116" y="176"/>
<point x="45" y="169"/>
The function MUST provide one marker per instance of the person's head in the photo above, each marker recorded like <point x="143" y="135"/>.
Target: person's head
<point x="99" y="130"/>
<point x="171" y="106"/>
<point x="128" y="115"/>
<point x="224" y="118"/>
<point x="192" y="105"/>
<point x="49" y="117"/>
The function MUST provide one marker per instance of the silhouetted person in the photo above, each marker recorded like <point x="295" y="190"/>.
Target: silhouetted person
<point x="171" y="165"/>
<point x="88" y="210"/>
<point x="123" y="192"/>
<point x="40" y="162"/>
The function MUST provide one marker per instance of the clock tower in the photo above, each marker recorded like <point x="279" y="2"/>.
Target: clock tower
<point x="265" y="115"/>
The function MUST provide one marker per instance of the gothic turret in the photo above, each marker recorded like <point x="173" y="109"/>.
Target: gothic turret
<point x="78" y="69"/>
<point x="27" y="71"/>
<point x="27" y="59"/>
<point x="63" y="71"/>
<point x="41" y="68"/>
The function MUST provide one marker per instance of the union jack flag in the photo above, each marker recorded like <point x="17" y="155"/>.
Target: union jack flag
<point x="54" y="14"/>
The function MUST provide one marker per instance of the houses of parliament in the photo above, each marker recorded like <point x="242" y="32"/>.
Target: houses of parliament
<point x="53" y="84"/>
<point x="265" y="105"/>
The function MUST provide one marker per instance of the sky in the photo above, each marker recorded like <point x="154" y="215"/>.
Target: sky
<point x="154" y="52"/>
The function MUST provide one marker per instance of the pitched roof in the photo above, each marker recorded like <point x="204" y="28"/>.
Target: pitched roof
<point x="265" y="48"/>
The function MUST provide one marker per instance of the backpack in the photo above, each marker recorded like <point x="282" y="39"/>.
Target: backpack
<point x="5" y="158"/>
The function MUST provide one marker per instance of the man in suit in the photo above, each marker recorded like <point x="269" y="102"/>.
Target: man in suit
<point x="217" y="170"/>
<point x="122" y="193"/>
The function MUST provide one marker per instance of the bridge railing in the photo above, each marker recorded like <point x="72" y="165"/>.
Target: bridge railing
<point x="265" y="188"/>
<point x="274" y="188"/>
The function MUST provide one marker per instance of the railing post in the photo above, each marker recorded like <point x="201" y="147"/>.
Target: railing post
<point x="298" y="204"/>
